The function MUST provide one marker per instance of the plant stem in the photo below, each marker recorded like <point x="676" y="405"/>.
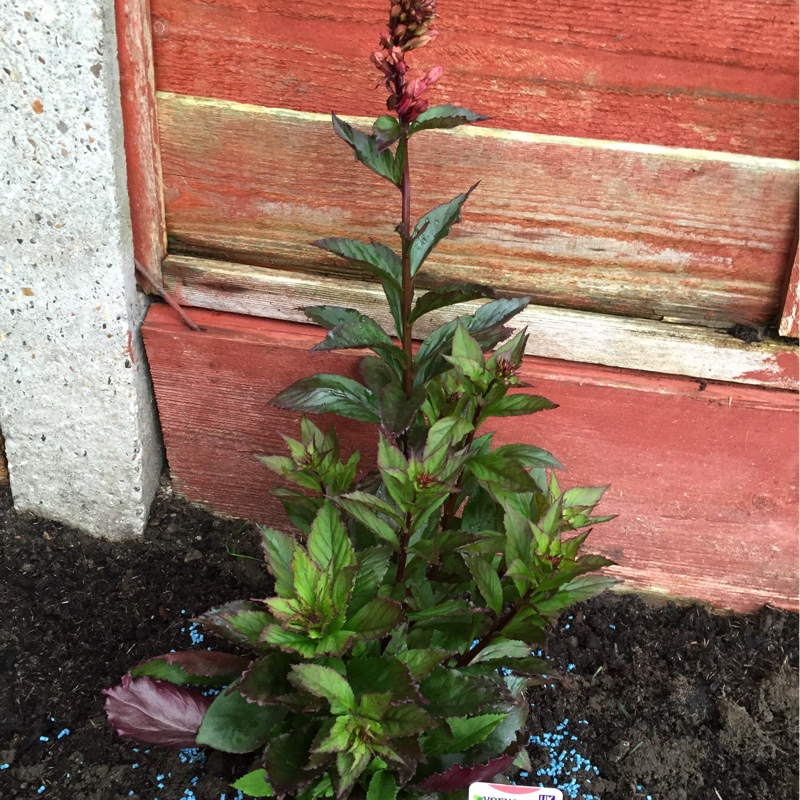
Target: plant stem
<point x="408" y="283"/>
<point x="498" y="626"/>
<point x="403" y="556"/>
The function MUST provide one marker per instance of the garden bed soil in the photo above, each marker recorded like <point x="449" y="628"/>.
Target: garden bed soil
<point x="663" y="701"/>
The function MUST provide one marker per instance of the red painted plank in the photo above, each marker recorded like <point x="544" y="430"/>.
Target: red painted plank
<point x="142" y="153"/>
<point x="717" y="75"/>
<point x="704" y="477"/>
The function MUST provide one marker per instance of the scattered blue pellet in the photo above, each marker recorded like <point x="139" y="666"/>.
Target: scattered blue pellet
<point x="4" y="766"/>
<point x="44" y="738"/>
<point x="613" y="627"/>
<point x="40" y="789"/>
<point x="134" y="766"/>
<point x="160" y="777"/>
<point x="63" y="733"/>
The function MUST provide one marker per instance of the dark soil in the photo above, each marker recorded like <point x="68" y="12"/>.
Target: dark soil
<point x="665" y="702"/>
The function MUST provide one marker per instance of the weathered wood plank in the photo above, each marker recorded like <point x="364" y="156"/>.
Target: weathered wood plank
<point x="791" y="306"/>
<point x="717" y="75"/>
<point x="142" y="154"/>
<point x="704" y="481"/>
<point x="565" y="334"/>
<point x="657" y="233"/>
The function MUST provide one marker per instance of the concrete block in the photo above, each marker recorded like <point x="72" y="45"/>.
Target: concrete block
<point x="76" y="404"/>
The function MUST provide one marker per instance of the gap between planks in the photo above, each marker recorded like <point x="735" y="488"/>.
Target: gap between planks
<point x="555" y="333"/>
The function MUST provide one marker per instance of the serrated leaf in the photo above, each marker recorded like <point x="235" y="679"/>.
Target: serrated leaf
<point x="376" y="618"/>
<point x="422" y="662"/>
<point x="278" y="552"/>
<point x="487" y="580"/>
<point x="585" y="587"/>
<point x="406" y="719"/>
<point x="366" y="508"/>
<point x="267" y="681"/>
<point x="194" y="667"/>
<point x="289" y="641"/>
<point x="331" y="316"/>
<point x="503" y="649"/>
<point x="328" y="543"/>
<point x="286" y="759"/>
<point x="464" y="733"/>
<point x="233" y="725"/>
<point x="497" y="312"/>
<point x="372" y="566"/>
<point x="451" y="693"/>
<point x="397" y="409"/>
<point x="377" y="372"/>
<point x="464" y="346"/>
<point x="366" y="150"/>
<point x="584" y="496"/>
<point x="382" y="786"/>
<point x="458" y="776"/>
<point x="447" y="296"/>
<point x="362" y="332"/>
<point x="444" y="432"/>
<point x="444" y="116"/>
<point x="326" y="683"/>
<point x="500" y="472"/>
<point x="254" y="784"/>
<point x="240" y="621"/>
<point x="480" y="512"/>
<point x="155" y="712"/>
<point x="382" y="674"/>
<point x="530" y="456"/>
<point x="434" y="226"/>
<point x="516" y="405"/>
<point x="328" y="393"/>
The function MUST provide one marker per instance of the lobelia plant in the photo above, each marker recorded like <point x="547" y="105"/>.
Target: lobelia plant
<point x="393" y="660"/>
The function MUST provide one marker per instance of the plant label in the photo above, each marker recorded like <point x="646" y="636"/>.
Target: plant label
<point x="496" y="791"/>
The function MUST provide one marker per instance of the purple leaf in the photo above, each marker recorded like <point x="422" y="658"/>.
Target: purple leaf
<point x="207" y="663"/>
<point x="155" y="712"/>
<point x="460" y="777"/>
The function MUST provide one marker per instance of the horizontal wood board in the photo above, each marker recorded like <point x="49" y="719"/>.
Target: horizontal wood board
<point x="657" y="233"/>
<point x="704" y="480"/>
<point x="719" y="75"/>
<point x="564" y="334"/>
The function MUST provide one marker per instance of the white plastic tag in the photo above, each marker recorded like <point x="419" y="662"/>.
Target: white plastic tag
<point x="496" y="791"/>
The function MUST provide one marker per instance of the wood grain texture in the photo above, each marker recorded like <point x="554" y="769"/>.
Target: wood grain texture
<point x="142" y="153"/>
<point x="791" y="306"/>
<point x="635" y="230"/>
<point x="704" y="481"/>
<point x="721" y="74"/>
<point x="564" y="334"/>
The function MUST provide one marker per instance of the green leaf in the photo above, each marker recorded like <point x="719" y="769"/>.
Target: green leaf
<point x="434" y="226"/>
<point x="530" y="456"/>
<point x="278" y="552"/>
<point x="421" y="662"/>
<point x="366" y="150"/>
<point x="448" y="296"/>
<point x="366" y="508"/>
<point x="465" y="733"/>
<point x="331" y="316"/>
<point x="497" y="312"/>
<point x="233" y="725"/>
<point x="328" y="393"/>
<point x="500" y="472"/>
<point x="372" y="566"/>
<point x="451" y="693"/>
<point x="328" y="544"/>
<point x="487" y="580"/>
<point x="193" y="667"/>
<point x="326" y="683"/>
<point x="383" y="674"/>
<point x="406" y="719"/>
<point x="289" y="641"/>
<point x="444" y="433"/>
<point x="382" y="786"/>
<point x="516" y="405"/>
<point x="464" y="346"/>
<point x="445" y="116"/>
<point x="398" y="410"/>
<point x="377" y="372"/>
<point x="286" y="759"/>
<point x="240" y="621"/>
<point x="386" y="130"/>
<point x="357" y="333"/>
<point x="267" y="682"/>
<point x="480" y="513"/>
<point x="376" y="618"/>
<point x="254" y="784"/>
<point x="585" y="587"/>
<point x="505" y="649"/>
<point x="584" y="496"/>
